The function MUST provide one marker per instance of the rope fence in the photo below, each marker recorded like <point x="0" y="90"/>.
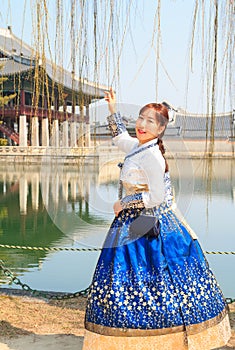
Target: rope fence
<point x="50" y="295"/>
<point x="8" y="246"/>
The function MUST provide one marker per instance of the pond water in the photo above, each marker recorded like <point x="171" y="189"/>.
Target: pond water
<point x="55" y="206"/>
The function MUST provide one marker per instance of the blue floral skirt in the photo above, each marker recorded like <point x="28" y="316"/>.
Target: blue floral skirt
<point x="155" y="287"/>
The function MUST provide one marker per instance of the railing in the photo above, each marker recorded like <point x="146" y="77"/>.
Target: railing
<point x="46" y="151"/>
<point x="9" y="132"/>
<point x="40" y="112"/>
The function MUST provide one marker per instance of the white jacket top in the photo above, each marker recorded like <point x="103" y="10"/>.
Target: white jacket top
<point x="143" y="169"/>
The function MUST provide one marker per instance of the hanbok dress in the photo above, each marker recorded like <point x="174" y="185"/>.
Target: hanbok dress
<point x="151" y="293"/>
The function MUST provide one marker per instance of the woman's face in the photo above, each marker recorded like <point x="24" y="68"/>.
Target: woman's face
<point x="147" y="127"/>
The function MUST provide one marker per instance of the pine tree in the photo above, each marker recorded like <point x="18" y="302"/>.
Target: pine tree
<point x="4" y="99"/>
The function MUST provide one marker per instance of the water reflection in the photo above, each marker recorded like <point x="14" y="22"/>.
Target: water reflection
<point x="79" y="184"/>
<point x="59" y="205"/>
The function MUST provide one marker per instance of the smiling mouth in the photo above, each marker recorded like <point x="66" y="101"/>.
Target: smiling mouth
<point x="141" y="131"/>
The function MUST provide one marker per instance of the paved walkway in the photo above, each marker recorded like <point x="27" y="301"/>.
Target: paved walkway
<point x="59" y="342"/>
<point x="56" y="342"/>
<point x="64" y="320"/>
<point x="42" y="342"/>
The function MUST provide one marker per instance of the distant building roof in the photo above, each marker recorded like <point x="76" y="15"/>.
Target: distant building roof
<point x="17" y="56"/>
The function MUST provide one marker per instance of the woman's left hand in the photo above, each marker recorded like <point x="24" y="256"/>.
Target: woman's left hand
<point x="110" y="97"/>
<point x="117" y="207"/>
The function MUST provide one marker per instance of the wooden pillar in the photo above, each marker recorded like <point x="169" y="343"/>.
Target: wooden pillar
<point x="55" y="134"/>
<point x="56" y="104"/>
<point x="35" y="132"/>
<point x="22" y="97"/>
<point x="64" y="100"/>
<point x="45" y="132"/>
<point x="65" y="140"/>
<point x="23" y="131"/>
<point x="73" y="134"/>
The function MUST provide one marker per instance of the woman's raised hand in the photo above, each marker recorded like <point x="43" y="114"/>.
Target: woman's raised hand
<point x="110" y="97"/>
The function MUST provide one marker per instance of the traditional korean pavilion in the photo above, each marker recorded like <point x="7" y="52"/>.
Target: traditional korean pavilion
<point x="49" y="101"/>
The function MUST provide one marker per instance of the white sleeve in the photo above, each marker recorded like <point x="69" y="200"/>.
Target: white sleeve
<point x="125" y="142"/>
<point x="121" y="137"/>
<point x="154" y="167"/>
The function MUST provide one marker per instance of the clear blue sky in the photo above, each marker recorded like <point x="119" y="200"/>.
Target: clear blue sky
<point x="138" y="60"/>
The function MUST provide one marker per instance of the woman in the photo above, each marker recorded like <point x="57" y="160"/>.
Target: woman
<point x="154" y="289"/>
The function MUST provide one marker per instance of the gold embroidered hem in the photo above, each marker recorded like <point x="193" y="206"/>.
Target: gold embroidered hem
<point x="131" y="332"/>
<point x="94" y="341"/>
<point x="212" y="337"/>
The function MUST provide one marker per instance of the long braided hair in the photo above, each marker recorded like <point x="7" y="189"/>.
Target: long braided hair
<point x="161" y="114"/>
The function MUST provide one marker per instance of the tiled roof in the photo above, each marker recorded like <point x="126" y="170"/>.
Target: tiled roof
<point x="12" y="45"/>
<point x="11" y="67"/>
<point x="19" y="57"/>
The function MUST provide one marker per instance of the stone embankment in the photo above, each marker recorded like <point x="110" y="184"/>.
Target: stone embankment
<point x="175" y="148"/>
